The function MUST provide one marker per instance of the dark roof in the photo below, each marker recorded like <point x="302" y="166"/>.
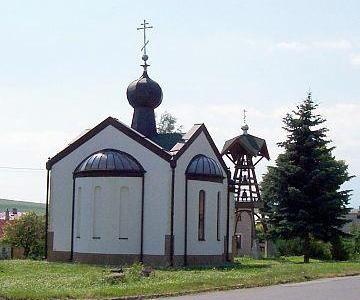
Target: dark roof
<point x="167" y="140"/>
<point x="202" y="165"/>
<point x="144" y="92"/>
<point x="133" y="134"/>
<point x="190" y="137"/>
<point x="109" y="162"/>
<point x="176" y="151"/>
<point x="246" y="144"/>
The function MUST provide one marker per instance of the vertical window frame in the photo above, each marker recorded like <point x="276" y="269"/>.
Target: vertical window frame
<point x="96" y="199"/>
<point x="218" y="217"/>
<point x="78" y="212"/>
<point x="201" y="215"/>
<point x="123" y="207"/>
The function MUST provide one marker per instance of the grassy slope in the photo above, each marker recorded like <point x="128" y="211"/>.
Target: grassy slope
<point x="39" y="279"/>
<point x="39" y="208"/>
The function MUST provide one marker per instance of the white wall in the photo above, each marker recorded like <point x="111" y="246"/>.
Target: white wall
<point x="157" y="189"/>
<point x="210" y="245"/>
<point x="199" y="146"/>
<point x="107" y="215"/>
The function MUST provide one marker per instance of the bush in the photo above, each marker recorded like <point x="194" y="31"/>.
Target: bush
<point x="289" y="247"/>
<point x="27" y="232"/>
<point x="318" y="249"/>
<point x="352" y="243"/>
<point x="340" y="249"/>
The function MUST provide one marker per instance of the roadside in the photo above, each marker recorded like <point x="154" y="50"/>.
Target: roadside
<point x="321" y="289"/>
<point x="20" y="279"/>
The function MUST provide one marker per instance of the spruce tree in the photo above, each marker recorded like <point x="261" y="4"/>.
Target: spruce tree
<point x="302" y="192"/>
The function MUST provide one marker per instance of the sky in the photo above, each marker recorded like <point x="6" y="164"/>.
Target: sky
<point x="65" y="66"/>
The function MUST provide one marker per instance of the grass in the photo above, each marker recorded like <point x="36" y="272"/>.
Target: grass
<point x="22" y="206"/>
<point x="20" y="279"/>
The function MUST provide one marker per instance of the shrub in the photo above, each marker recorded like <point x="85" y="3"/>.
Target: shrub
<point x="27" y="232"/>
<point x="294" y="247"/>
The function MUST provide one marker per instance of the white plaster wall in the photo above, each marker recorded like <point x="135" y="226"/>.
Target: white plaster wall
<point x="199" y="146"/>
<point x="108" y="216"/>
<point x="210" y="246"/>
<point x="157" y="189"/>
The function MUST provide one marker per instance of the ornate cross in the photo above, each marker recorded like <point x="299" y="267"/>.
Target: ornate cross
<point x="244" y="111"/>
<point x="144" y="27"/>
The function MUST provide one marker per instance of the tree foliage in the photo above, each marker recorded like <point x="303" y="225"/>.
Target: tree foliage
<point x="28" y="232"/>
<point x="168" y="124"/>
<point x="302" y="192"/>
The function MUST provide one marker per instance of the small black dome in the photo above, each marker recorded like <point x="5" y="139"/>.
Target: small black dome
<point x="144" y="92"/>
<point x="204" y="166"/>
<point x="109" y="162"/>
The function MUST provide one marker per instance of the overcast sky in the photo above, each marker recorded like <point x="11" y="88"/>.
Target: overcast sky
<point x="65" y="66"/>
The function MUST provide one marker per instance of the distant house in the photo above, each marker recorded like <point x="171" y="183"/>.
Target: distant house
<point x="6" y="251"/>
<point x="10" y="214"/>
<point x="354" y="217"/>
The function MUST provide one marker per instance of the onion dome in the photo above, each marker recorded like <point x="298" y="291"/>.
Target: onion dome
<point x="109" y="162"/>
<point x="202" y="167"/>
<point x="144" y="92"/>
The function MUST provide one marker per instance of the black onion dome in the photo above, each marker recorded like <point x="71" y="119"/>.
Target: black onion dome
<point x="144" y="92"/>
<point x="109" y="162"/>
<point x="204" y="166"/>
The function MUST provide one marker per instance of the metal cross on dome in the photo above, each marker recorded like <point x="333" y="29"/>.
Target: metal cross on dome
<point x="144" y="27"/>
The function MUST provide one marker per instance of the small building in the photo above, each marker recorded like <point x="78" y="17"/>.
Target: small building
<point x="354" y="217"/>
<point x="5" y="250"/>
<point x="121" y="194"/>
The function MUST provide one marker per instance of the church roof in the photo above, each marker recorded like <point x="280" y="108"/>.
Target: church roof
<point x="110" y="121"/>
<point x="167" y="140"/>
<point x="168" y="146"/>
<point x="202" y="165"/>
<point x="109" y="162"/>
<point x="192" y="133"/>
<point x="189" y="137"/>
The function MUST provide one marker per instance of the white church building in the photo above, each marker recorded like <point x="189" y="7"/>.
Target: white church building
<point x="121" y="194"/>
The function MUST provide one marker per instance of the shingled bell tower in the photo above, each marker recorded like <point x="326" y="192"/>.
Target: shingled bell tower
<point x="245" y="152"/>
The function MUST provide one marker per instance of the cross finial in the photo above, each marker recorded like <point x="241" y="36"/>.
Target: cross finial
<point x="245" y="127"/>
<point x="144" y="57"/>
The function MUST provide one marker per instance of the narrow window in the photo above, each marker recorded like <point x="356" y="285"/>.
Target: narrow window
<point x="96" y="213"/>
<point x="123" y="215"/>
<point x="78" y="212"/>
<point x="201" y="229"/>
<point x="238" y="241"/>
<point x="218" y="216"/>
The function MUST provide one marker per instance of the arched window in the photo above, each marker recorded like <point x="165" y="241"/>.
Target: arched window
<point x="201" y="228"/>
<point x="96" y="212"/>
<point x="218" y="216"/>
<point x="123" y="216"/>
<point x="78" y="212"/>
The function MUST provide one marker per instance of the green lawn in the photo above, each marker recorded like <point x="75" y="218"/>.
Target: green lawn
<point x="40" y="279"/>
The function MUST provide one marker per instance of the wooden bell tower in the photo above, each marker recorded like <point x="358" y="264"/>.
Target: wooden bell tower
<point x="245" y="152"/>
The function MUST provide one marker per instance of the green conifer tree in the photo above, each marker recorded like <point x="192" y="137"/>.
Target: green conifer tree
<point x="302" y="192"/>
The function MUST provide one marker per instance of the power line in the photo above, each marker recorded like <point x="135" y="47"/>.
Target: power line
<point x="21" y="168"/>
